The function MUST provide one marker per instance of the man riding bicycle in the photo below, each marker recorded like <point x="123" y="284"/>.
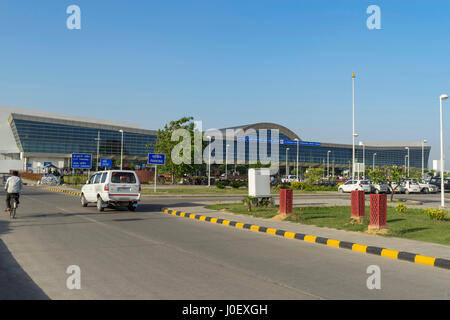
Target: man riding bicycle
<point x="13" y="187"/>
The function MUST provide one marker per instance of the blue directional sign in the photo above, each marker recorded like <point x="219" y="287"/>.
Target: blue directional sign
<point x="47" y="164"/>
<point x="156" y="158"/>
<point x="81" y="161"/>
<point x="106" y="163"/>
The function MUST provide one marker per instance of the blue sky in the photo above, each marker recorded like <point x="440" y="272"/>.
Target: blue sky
<point x="234" y="62"/>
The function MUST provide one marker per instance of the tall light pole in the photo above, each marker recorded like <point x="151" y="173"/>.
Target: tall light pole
<point x="373" y="162"/>
<point x="364" y="158"/>
<point x="287" y="169"/>
<point x="328" y="164"/>
<point x="296" y="140"/>
<point x="423" y="158"/>
<point x="442" y="97"/>
<point x="98" y="147"/>
<point x="407" y="148"/>
<point x="226" y="162"/>
<point x="121" y="150"/>
<point x="209" y="161"/>
<point x="406" y="156"/>
<point x="353" y="123"/>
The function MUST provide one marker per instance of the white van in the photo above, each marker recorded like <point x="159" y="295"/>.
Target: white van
<point x="119" y="188"/>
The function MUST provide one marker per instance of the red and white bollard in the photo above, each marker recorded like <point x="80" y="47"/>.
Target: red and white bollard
<point x="378" y="211"/>
<point x="358" y="205"/>
<point x="286" y="199"/>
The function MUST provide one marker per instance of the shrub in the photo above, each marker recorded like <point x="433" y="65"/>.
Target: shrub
<point x="435" y="214"/>
<point x="220" y="184"/>
<point x="235" y="184"/>
<point x="299" y="185"/>
<point x="400" y="208"/>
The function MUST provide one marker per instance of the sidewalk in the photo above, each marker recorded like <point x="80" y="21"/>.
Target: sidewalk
<point x="413" y="246"/>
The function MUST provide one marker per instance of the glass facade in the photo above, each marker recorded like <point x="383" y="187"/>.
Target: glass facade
<point x="43" y="137"/>
<point x="341" y="156"/>
<point x="38" y="136"/>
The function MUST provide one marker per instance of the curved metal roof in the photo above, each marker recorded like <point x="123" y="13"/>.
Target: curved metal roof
<point x="267" y="125"/>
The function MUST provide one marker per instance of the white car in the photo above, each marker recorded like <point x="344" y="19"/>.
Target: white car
<point x="426" y="187"/>
<point x="289" y="179"/>
<point x="397" y="188"/>
<point x="353" y="185"/>
<point x="118" y="188"/>
<point x="380" y="188"/>
<point x="411" y="187"/>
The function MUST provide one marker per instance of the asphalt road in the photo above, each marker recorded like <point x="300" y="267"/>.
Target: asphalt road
<point x="149" y="255"/>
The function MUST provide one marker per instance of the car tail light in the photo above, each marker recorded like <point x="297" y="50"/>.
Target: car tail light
<point x="106" y="187"/>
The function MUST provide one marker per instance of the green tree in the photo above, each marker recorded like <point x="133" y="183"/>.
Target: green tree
<point x="165" y="145"/>
<point x="313" y="175"/>
<point x="376" y="175"/>
<point x="394" y="174"/>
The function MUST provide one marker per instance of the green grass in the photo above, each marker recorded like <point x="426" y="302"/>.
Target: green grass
<point x="413" y="224"/>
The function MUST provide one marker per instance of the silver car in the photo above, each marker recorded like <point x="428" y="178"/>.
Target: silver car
<point x="380" y="187"/>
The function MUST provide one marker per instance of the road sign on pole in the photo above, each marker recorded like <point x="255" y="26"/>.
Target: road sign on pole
<point x="81" y="161"/>
<point x="156" y="159"/>
<point x="106" y="163"/>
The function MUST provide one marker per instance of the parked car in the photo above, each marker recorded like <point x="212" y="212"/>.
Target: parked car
<point x="426" y="187"/>
<point x="437" y="182"/>
<point x="289" y="179"/>
<point x="397" y="188"/>
<point x="353" y="185"/>
<point x="116" y="188"/>
<point x="379" y="188"/>
<point x="411" y="186"/>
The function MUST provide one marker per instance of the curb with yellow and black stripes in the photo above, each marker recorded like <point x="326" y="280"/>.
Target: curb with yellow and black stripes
<point x="69" y="192"/>
<point x="388" y="253"/>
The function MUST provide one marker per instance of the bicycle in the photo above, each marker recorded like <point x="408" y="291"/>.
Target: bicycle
<point x="12" y="211"/>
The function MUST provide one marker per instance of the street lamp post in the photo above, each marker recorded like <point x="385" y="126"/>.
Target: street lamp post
<point x="226" y="162"/>
<point x="121" y="151"/>
<point x="373" y="162"/>
<point x="364" y="158"/>
<point x="287" y="169"/>
<point x="296" y="166"/>
<point x="209" y="161"/>
<point x="442" y="97"/>
<point x="353" y="126"/>
<point x="407" y="148"/>
<point x="423" y="161"/>
<point x="98" y="147"/>
<point x="328" y="164"/>
<point x="406" y="171"/>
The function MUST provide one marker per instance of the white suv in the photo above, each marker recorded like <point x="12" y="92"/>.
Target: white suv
<point x="112" y="188"/>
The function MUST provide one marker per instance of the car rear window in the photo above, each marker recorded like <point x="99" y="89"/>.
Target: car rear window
<point x="123" y="177"/>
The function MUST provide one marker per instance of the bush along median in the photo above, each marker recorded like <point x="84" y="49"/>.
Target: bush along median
<point x="416" y="224"/>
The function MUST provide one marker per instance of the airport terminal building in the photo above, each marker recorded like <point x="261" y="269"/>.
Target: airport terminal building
<point x="30" y="139"/>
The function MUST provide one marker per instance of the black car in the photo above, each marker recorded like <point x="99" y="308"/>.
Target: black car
<point x="437" y="182"/>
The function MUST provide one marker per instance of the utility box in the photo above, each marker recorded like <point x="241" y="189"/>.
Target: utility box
<point x="259" y="183"/>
